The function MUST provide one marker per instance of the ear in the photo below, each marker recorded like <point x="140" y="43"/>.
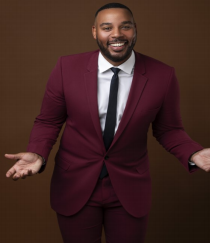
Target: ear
<point x="94" y="31"/>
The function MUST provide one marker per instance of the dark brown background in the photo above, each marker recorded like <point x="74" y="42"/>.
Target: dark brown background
<point x="33" y="35"/>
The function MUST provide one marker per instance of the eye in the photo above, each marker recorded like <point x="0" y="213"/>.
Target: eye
<point x="126" y="27"/>
<point x="107" y="28"/>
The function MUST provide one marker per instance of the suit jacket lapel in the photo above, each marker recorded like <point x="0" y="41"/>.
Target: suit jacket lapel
<point x="91" y="91"/>
<point x="137" y="87"/>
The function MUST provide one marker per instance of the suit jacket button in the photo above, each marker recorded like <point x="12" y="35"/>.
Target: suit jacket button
<point x="106" y="157"/>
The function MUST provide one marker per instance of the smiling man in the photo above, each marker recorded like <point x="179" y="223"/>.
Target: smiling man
<point x="115" y="33"/>
<point x="108" y="99"/>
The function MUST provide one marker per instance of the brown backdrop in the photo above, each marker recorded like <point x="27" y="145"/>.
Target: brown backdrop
<point x="33" y="35"/>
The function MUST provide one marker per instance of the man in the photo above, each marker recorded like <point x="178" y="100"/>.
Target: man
<point x="108" y="99"/>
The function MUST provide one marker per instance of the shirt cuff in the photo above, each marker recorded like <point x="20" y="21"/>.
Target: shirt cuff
<point x="191" y="163"/>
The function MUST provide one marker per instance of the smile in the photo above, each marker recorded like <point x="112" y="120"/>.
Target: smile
<point x="117" y="44"/>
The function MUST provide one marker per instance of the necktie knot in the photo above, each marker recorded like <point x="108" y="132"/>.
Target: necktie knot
<point x="115" y="70"/>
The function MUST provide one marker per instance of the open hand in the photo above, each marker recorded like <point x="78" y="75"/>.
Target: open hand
<point x="27" y="164"/>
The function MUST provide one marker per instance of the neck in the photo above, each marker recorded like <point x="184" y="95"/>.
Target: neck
<point x="116" y="63"/>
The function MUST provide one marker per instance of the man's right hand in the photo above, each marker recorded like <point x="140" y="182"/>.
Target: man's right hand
<point x="27" y="164"/>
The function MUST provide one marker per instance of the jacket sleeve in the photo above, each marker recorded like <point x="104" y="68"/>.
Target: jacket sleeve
<point x="52" y="116"/>
<point x="168" y="128"/>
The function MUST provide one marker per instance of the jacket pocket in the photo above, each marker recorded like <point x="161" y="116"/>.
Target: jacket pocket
<point x="62" y="163"/>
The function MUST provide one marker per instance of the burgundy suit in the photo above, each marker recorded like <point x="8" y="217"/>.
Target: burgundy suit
<point x="71" y="97"/>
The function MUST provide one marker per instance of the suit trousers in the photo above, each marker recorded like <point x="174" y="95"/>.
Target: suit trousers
<point x="102" y="209"/>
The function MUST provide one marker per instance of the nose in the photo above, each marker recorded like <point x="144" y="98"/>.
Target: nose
<point x="116" y="33"/>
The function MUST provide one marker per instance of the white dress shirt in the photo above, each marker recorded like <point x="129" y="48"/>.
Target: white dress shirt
<point x="104" y="79"/>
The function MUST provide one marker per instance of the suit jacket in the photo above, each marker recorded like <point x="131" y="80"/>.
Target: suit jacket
<point x="71" y="97"/>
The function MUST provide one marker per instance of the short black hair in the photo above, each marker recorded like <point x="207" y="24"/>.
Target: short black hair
<point x="112" y="5"/>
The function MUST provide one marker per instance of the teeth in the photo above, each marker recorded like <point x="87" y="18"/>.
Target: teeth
<point x="118" y="44"/>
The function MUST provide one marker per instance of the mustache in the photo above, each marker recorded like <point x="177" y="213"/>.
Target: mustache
<point x="116" y="41"/>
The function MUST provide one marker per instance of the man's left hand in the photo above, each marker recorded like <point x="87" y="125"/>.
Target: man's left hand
<point x="202" y="159"/>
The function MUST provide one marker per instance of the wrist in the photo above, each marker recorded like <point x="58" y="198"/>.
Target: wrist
<point x="193" y="156"/>
<point x="42" y="159"/>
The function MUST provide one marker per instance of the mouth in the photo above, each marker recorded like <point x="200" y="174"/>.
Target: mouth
<point x="117" y="46"/>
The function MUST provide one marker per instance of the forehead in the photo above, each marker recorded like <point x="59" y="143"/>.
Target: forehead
<point x="112" y="15"/>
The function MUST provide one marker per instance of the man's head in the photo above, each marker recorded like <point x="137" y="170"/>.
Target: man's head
<point x="115" y="32"/>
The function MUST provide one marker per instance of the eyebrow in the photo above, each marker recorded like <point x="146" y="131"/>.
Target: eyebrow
<point x="124" y="22"/>
<point x="105" y="24"/>
<point x="127" y="22"/>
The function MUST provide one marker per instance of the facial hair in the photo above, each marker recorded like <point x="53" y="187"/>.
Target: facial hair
<point x="109" y="56"/>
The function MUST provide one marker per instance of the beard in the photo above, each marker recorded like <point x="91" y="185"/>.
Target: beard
<point x="116" y="58"/>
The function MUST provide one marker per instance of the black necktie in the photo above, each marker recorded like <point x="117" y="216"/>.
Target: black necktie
<point x="110" y="116"/>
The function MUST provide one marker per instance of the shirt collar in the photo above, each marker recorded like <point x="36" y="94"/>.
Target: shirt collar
<point x="127" y="67"/>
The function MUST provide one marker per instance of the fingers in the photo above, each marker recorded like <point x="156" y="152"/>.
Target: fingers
<point x="11" y="172"/>
<point x="14" y="156"/>
<point x="23" y="175"/>
<point x="15" y="175"/>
